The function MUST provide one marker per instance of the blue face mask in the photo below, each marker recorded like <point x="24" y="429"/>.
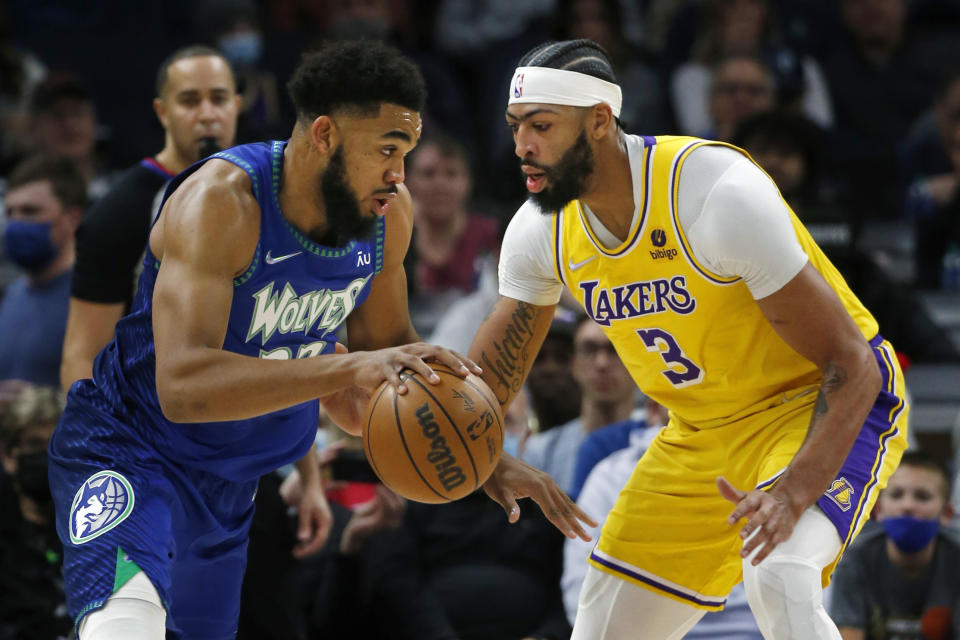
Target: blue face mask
<point x="511" y="443"/>
<point x="243" y="48"/>
<point x="911" y="534"/>
<point x="28" y="244"/>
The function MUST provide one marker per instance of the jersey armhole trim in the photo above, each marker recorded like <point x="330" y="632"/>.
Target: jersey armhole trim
<point x="674" y="188"/>
<point x="558" y="246"/>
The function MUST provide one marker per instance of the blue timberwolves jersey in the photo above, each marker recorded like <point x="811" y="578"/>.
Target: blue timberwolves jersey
<point x="288" y="304"/>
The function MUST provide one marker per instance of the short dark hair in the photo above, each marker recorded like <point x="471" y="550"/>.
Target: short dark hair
<point x="582" y="55"/>
<point x="446" y="145"/>
<point x="923" y="460"/>
<point x="358" y="76"/>
<point x="57" y="86"/>
<point x="64" y="176"/>
<point x="193" y="51"/>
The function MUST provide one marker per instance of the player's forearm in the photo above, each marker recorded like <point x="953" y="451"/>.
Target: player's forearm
<point x="206" y="384"/>
<point x="507" y="344"/>
<point x="848" y="392"/>
<point x="309" y="469"/>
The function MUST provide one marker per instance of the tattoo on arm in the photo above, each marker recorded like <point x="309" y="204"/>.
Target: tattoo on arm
<point x="507" y="359"/>
<point x="834" y="377"/>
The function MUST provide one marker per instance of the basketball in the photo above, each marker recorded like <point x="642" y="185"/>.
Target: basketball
<point x="437" y="442"/>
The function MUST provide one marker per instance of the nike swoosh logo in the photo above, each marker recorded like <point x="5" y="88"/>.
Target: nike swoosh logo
<point x="576" y="265"/>
<point x="272" y="260"/>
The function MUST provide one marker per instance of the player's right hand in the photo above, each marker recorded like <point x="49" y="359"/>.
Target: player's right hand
<point x="386" y="364"/>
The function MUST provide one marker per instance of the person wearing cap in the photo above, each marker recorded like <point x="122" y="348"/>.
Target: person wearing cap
<point x="197" y="105"/>
<point x="787" y="413"/>
<point x="63" y="124"/>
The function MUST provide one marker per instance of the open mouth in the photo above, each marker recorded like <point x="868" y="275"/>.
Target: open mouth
<point x="536" y="180"/>
<point x="381" y="203"/>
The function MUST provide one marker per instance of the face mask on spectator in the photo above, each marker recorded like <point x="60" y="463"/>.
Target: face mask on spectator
<point x="911" y="534"/>
<point x="32" y="476"/>
<point x="242" y="48"/>
<point x="28" y="244"/>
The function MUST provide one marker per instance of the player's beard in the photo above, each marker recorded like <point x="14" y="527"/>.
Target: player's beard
<point x="345" y="220"/>
<point x="566" y="178"/>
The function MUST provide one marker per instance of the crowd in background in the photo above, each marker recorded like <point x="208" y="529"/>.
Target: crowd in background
<point x="852" y="107"/>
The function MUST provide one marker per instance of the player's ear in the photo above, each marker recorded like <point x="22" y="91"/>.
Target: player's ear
<point x="325" y="134"/>
<point x="161" y="110"/>
<point x="600" y="120"/>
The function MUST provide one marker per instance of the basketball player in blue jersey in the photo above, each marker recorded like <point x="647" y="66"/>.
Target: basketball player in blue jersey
<point x="258" y="256"/>
<point x="786" y="405"/>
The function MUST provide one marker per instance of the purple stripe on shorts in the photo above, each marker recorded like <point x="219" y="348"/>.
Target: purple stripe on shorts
<point x="654" y="583"/>
<point x="844" y="500"/>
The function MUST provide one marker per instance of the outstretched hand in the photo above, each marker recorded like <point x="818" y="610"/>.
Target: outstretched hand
<point x="770" y="518"/>
<point x="512" y="479"/>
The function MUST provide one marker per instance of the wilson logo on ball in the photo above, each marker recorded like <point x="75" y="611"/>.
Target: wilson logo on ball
<point x="449" y="474"/>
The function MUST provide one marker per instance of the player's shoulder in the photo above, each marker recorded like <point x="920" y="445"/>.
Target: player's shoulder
<point x="529" y="222"/>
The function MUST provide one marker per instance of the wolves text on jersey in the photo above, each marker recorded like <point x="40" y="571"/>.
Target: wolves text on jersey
<point x="636" y="299"/>
<point x="288" y="311"/>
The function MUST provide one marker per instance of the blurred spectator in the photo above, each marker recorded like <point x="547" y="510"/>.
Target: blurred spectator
<point x="32" y="602"/>
<point x="44" y="202"/>
<point x="790" y="149"/>
<point x="602" y="21"/>
<point x="901" y="581"/>
<point x="484" y="40"/>
<point x="233" y="26"/>
<point x="938" y="233"/>
<point x="598" y="497"/>
<point x="741" y="86"/>
<point x="925" y="155"/>
<point x="607" y="396"/>
<point x="461" y="571"/>
<point x="606" y="440"/>
<point x="458" y="324"/>
<point x="197" y="105"/>
<point x="881" y="77"/>
<point x="734" y="28"/>
<point x="516" y="424"/>
<point x="554" y="392"/>
<point x="63" y="124"/>
<point x="449" y="243"/>
<point x="20" y="72"/>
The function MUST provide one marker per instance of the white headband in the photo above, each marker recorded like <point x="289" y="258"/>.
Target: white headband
<point x="558" y="86"/>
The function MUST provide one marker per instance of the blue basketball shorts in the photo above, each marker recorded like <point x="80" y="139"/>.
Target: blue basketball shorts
<point x="122" y="506"/>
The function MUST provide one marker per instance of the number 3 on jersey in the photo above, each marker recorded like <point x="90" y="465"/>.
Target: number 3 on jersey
<point x="680" y="371"/>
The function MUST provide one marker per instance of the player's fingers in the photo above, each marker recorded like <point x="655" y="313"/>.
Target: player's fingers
<point x="447" y="357"/>
<point x="755" y="540"/>
<point x="470" y="364"/>
<point x="745" y="508"/>
<point x="394" y="375"/>
<point x="417" y="364"/>
<point x="506" y="500"/>
<point x="759" y="519"/>
<point x="340" y="348"/>
<point x="728" y="491"/>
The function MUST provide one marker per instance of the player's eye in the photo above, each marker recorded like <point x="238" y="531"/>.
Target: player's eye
<point x="541" y="126"/>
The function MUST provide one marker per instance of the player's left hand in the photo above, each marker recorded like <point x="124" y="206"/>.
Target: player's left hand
<point x="314" y="520"/>
<point x="512" y="479"/>
<point x="770" y="518"/>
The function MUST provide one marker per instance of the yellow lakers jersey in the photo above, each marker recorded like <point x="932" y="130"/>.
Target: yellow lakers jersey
<point x="693" y="340"/>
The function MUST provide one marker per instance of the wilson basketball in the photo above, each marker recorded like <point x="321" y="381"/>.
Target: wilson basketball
<point x="437" y="442"/>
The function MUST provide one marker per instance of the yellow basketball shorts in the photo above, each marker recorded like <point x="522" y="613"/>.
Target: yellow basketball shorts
<point x="668" y="531"/>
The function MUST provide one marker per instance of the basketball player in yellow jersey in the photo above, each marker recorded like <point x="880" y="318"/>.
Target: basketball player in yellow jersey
<point x="786" y="407"/>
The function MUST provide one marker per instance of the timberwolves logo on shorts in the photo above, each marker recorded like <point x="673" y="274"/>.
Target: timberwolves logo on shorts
<point x="104" y="501"/>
